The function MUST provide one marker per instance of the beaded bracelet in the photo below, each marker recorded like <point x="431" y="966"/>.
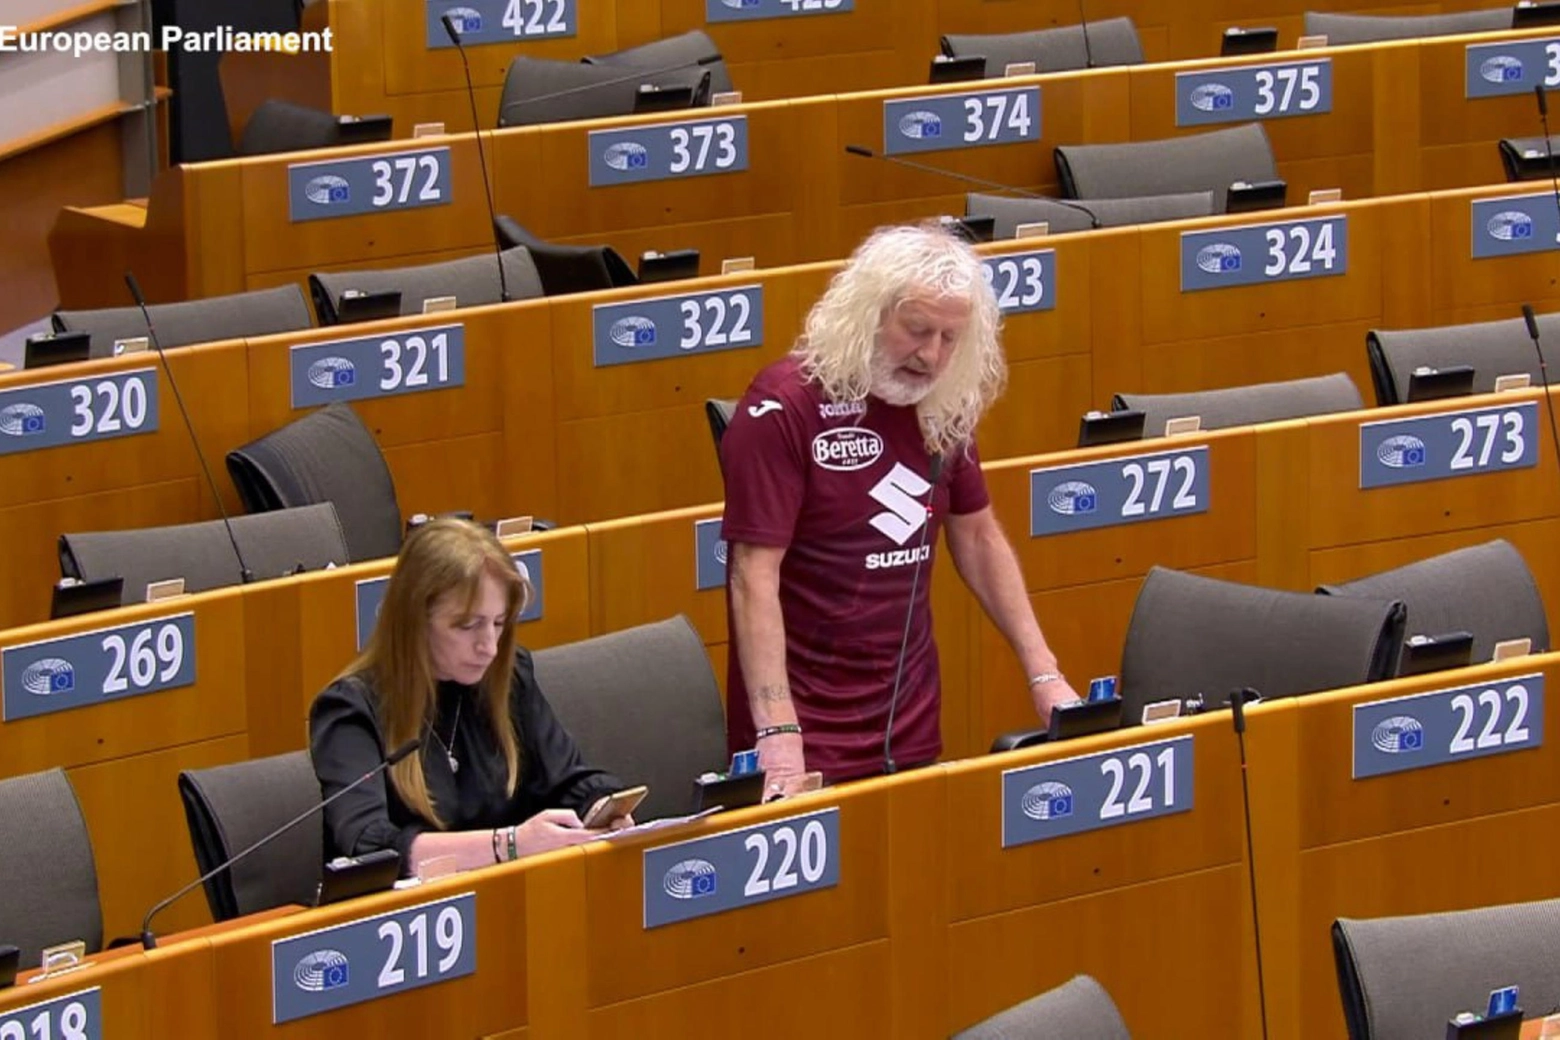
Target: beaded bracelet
<point x="775" y="731"/>
<point x="514" y="852"/>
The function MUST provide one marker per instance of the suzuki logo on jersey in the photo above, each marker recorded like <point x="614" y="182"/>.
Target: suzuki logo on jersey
<point x="903" y="491"/>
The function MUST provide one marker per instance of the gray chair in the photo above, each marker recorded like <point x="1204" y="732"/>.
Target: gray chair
<point x="1244" y="405"/>
<point x="1486" y="590"/>
<point x="327" y="456"/>
<point x="1191" y="636"/>
<point x="1084" y="214"/>
<point x="1401" y="978"/>
<point x="689" y="48"/>
<point x="50" y="894"/>
<point x="260" y="313"/>
<point x="472" y="280"/>
<point x="540" y="90"/>
<point x="1113" y="41"/>
<point x="228" y="808"/>
<point x="1210" y="161"/>
<point x="274" y="544"/>
<point x="1491" y="348"/>
<point x="1343" y="29"/>
<point x="1079" y="1009"/>
<point x="719" y="410"/>
<point x="1528" y="158"/>
<point x="642" y="703"/>
<point x="281" y="126"/>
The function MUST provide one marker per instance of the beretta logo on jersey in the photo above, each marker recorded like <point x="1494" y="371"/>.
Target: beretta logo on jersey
<point x="847" y="448"/>
<point x="920" y="126"/>
<point x="328" y="190"/>
<point x="1212" y="97"/>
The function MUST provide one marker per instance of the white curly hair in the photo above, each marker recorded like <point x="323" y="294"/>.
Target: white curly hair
<point x="839" y="343"/>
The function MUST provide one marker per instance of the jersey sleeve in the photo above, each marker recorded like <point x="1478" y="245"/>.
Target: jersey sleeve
<point x="764" y="455"/>
<point x="967" y="484"/>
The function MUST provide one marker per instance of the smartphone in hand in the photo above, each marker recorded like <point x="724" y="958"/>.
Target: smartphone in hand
<point x="615" y="805"/>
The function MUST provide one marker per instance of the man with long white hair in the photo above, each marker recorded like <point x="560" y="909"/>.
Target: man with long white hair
<point x="842" y="462"/>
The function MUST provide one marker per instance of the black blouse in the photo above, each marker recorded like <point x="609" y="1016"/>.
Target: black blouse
<point x="347" y="741"/>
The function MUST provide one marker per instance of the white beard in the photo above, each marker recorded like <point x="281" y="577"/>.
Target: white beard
<point x="890" y="388"/>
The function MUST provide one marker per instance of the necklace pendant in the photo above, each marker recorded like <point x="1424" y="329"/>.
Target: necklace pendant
<point x="454" y="762"/>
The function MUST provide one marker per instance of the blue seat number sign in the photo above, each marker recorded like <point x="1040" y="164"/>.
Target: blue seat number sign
<point x="1063" y="499"/>
<point x="74" y="411"/>
<point x="412" y="361"/>
<point x="752" y="10"/>
<point x="373" y="957"/>
<point x="1514" y="224"/>
<point x="1431" y="729"/>
<point x="971" y="119"/>
<point x="662" y="151"/>
<point x="774" y="860"/>
<point x="370" y="184"/>
<point x="75" y="1016"/>
<point x="369" y="595"/>
<point x="677" y="326"/>
<point x="1512" y="67"/>
<point x="1022" y="282"/>
<point x="1261" y="253"/>
<point x="500" y="21"/>
<point x="709" y="555"/>
<point x="1241" y="93"/>
<point x="1448" y="444"/>
<point x="1074" y="795"/>
<point x="106" y="664"/>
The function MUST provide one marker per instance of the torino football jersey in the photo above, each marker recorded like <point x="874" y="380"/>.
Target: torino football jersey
<point x="843" y="487"/>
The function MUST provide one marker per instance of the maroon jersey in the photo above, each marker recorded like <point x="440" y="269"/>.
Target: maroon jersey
<point x="843" y="487"/>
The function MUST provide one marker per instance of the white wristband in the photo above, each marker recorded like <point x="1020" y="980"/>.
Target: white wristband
<point x="1043" y="677"/>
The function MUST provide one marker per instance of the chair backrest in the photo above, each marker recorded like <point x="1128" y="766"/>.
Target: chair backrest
<point x="1527" y="158"/>
<point x="472" y="280"/>
<point x="1191" y="635"/>
<point x="228" y="808"/>
<point x="1492" y="348"/>
<point x="1084" y="214"/>
<point x="687" y="48"/>
<point x="1244" y="405"/>
<point x="1366" y="28"/>
<point x="540" y="90"/>
<point x="1079" y="1009"/>
<point x="1401" y="978"/>
<point x="259" y="313"/>
<point x="1209" y="161"/>
<point x="642" y="703"/>
<point x="274" y="544"/>
<point x="719" y="410"/>
<point x="327" y="456"/>
<point x="50" y="894"/>
<point x="281" y="126"/>
<point x="567" y="268"/>
<point x="1112" y="41"/>
<point x="1485" y="589"/>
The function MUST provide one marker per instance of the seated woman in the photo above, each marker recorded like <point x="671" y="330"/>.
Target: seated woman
<point x="497" y="776"/>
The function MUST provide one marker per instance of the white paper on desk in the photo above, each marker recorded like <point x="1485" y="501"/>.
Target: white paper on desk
<point x="655" y="825"/>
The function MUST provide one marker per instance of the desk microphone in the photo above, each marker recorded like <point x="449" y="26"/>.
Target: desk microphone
<point x="245" y="574"/>
<point x="640" y="75"/>
<point x="476" y="129"/>
<point x="149" y="940"/>
<point x="1238" y="710"/>
<point x="1088" y="52"/>
<point x="867" y="153"/>
<point x="934" y="472"/>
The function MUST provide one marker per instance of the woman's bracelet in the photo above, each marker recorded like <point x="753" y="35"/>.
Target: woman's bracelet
<point x="496" y="857"/>
<point x="1043" y="677"/>
<point x="775" y="731"/>
<point x="514" y="852"/>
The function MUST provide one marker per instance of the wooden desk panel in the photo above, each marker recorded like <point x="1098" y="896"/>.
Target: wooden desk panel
<point x="1040" y="410"/>
<point x="1398" y="802"/>
<point x="213" y="706"/>
<point x="1459" y="282"/>
<point x="643" y="569"/>
<point x="145" y="995"/>
<point x="1281" y="354"/>
<point x="624" y="961"/>
<point x="1382" y="514"/>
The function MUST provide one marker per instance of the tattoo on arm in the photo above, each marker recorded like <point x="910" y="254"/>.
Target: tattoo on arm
<point x="772" y="694"/>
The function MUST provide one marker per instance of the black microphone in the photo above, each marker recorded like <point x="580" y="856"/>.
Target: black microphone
<point x="934" y="472"/>
<point x="638" y="74"/>
<point x="1238" y="709"/>
<point x="1543" y="373"/>
<point x="476" y="129"/>
<point x="867" y="153"/>
<point x="245" y="574"/>
<point x="1088" y="52"/>
<point x="149" y="940"/>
